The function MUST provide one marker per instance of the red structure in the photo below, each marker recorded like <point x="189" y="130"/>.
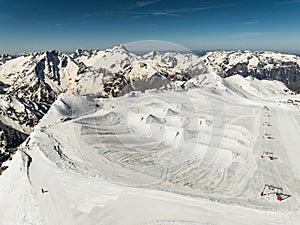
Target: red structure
<point x="273" y="190"/>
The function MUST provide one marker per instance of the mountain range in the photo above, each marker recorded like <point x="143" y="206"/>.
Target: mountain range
<point x="31" y="82"/>
<point x="112" y="137"/>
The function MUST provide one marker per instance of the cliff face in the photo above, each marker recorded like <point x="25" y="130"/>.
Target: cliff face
<point x="261" y="65"/>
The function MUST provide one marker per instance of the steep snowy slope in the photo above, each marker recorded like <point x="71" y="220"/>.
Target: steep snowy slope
<point x="114" y="60"/>
<point x="39" y="76"/>
<point x="29" y="85"/>
<point x="17" y="118"/>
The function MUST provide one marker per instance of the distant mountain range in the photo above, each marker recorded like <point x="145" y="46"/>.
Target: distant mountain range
<point x="31" y="82"/>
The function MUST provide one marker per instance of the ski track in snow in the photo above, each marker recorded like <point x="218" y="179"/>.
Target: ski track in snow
<point x="160" y="158"/>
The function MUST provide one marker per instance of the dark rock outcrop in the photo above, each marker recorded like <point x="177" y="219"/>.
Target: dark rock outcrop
<point x="261" y="65"/>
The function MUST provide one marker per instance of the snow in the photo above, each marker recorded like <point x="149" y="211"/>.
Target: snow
<point x="12" y="67"/>
<point x="113" y="59"/>
<point x="222" y="61"/>
<point x="9" y="102"/>
<point x="255" y="88"/>
<point x="17" y="199"/>
<point x="159" y="158"/>
<point x="177" y="157"/>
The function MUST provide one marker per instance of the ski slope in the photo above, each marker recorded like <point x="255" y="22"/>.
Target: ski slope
<point x="160" y="158"/>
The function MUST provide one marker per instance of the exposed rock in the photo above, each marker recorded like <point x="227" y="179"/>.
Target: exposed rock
<point x="31" y="82"/>
<point x="261" y="65"/>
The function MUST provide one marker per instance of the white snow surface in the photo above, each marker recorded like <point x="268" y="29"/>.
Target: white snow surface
<point x="251" y="58"/>
<point x="160" y="158"/>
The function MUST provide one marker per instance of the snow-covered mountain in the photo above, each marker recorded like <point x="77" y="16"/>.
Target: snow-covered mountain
<point x="34" y="80"/>
<point x="160" y="139"/>
<point x="261" y="65"/>
<point x="40" y="77"/>
<point x="175" y="157"/>
<point x="17" y="118"/>
<point x="29" y="84"/>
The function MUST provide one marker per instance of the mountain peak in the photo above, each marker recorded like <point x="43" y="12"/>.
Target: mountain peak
<point x="119" y="48"/>
<point x="53" y="52"/>
<point x="151" y="55"/>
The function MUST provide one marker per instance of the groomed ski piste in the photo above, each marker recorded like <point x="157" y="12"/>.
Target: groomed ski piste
<point x="199" y="156"/>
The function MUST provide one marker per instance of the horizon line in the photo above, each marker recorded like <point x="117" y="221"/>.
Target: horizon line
<point x="294" y="51"/>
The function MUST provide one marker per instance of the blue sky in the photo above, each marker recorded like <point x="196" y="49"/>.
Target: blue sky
<point x="196" y="24"/>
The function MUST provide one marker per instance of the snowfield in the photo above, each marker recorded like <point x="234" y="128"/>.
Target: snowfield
<point x="184" y="157"/>
<point x="31" y="82"/>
